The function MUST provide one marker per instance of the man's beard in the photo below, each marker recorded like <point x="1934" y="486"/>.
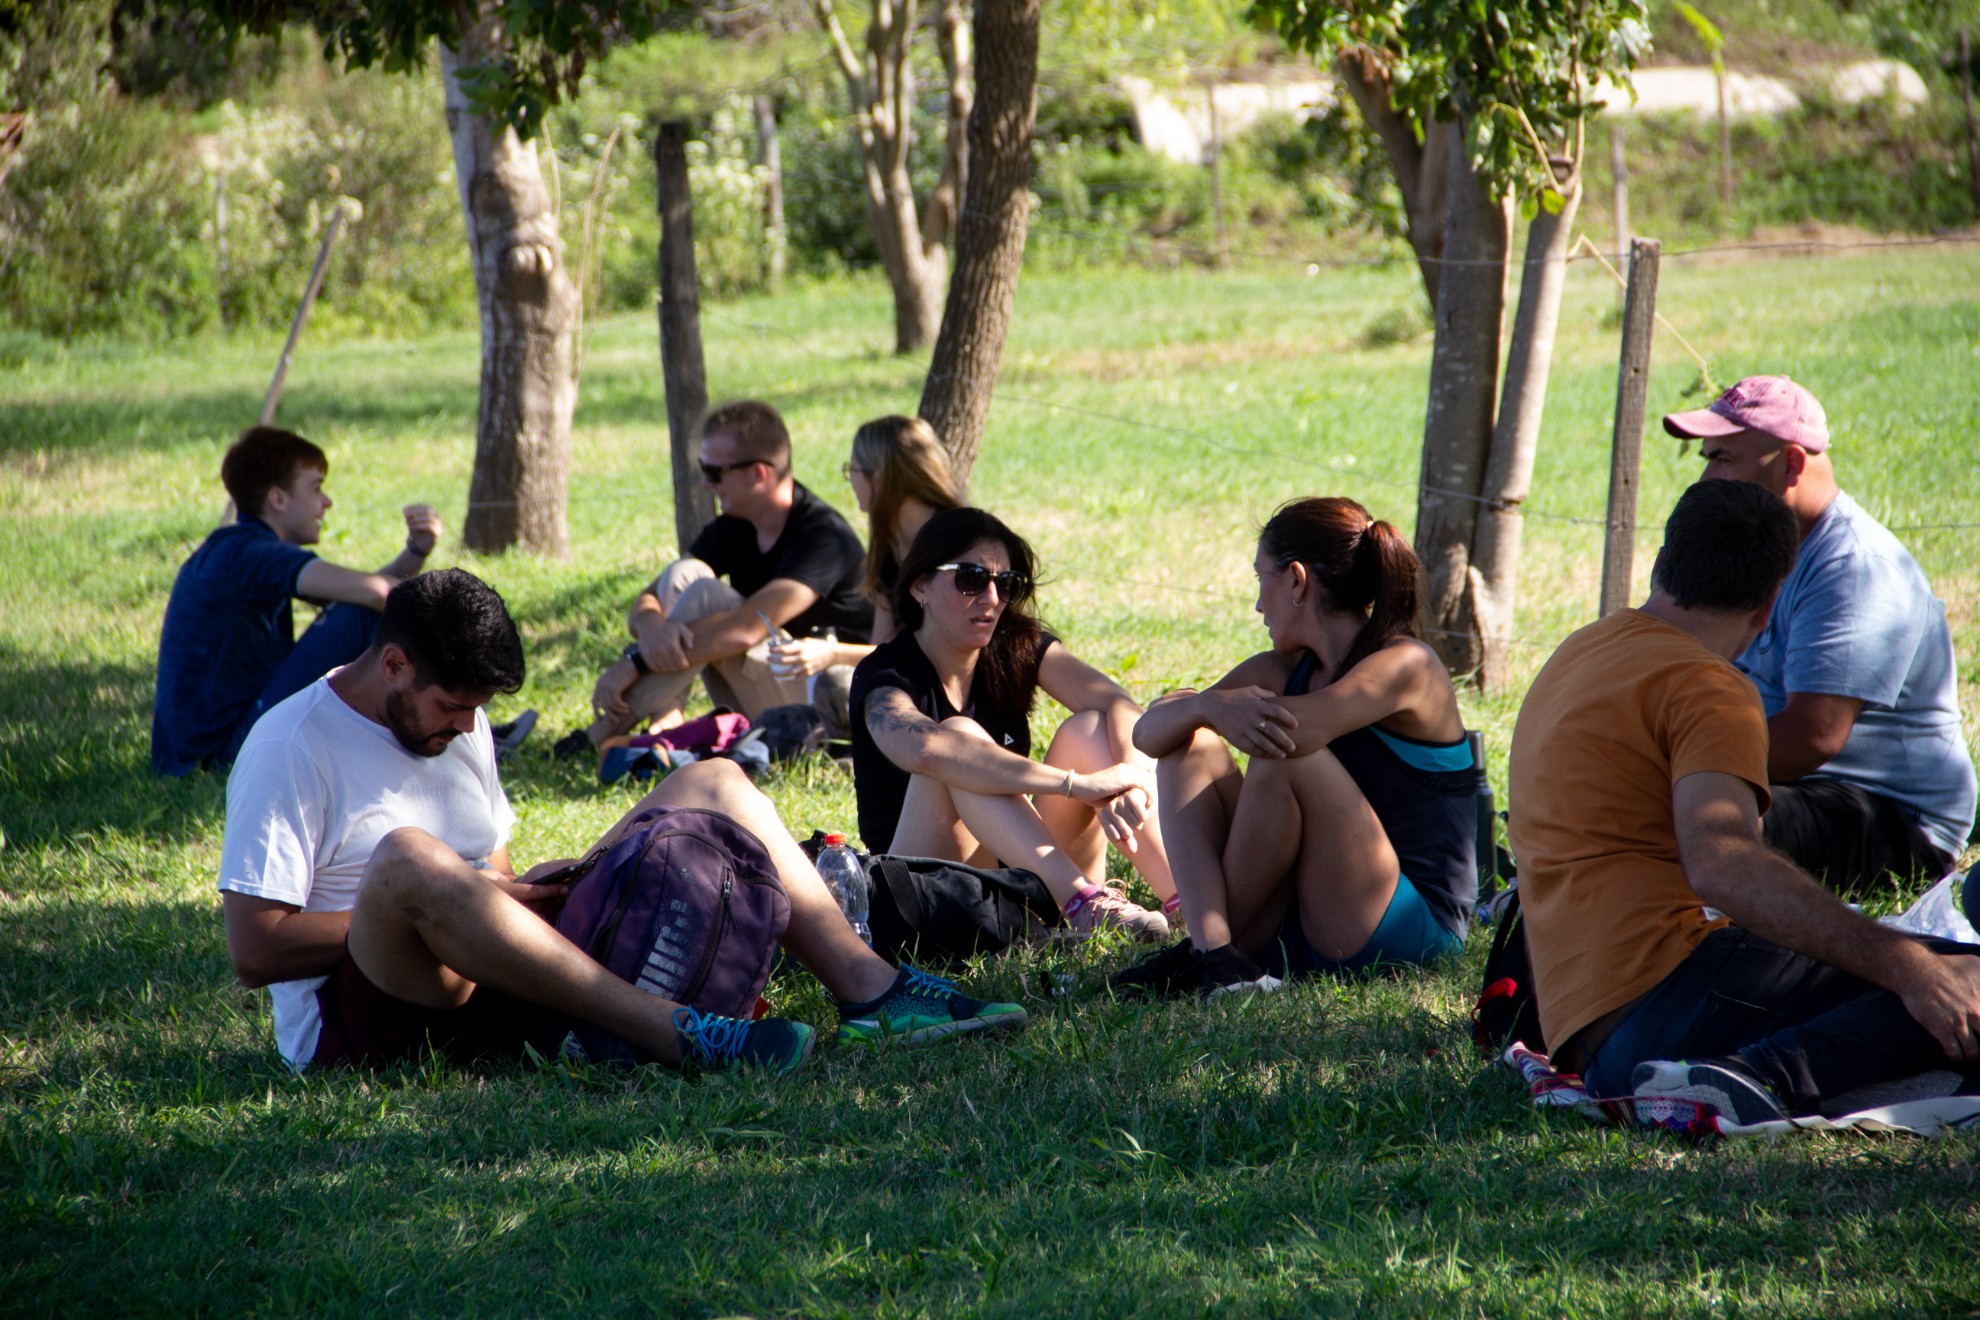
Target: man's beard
<point x="420" y="742"/>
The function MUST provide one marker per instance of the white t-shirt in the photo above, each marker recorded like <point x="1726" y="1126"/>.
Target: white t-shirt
<point x="314" y="790"/>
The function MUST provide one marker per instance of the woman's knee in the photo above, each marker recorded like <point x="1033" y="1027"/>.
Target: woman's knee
<point x="1081" y="741"/>
<point x="965" y="725"/>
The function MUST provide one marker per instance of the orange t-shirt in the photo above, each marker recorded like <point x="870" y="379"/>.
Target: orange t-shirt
<point x="1622" y="711"/>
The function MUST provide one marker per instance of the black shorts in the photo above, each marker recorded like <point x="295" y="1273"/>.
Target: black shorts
<point x="365" y="1027"/>
<point x="1850" y="839"/>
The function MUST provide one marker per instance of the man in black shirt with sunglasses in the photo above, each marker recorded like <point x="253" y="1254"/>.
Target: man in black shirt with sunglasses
<point x="792" y="564"/>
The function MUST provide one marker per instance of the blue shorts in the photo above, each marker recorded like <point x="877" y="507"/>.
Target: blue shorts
<point x="1409" y="935"/>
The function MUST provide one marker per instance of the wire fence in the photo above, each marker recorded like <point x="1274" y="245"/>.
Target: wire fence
<point x="1583" y="250"/>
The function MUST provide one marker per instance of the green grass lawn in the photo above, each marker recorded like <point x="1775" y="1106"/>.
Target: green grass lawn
<point x="1332" y="1149"/>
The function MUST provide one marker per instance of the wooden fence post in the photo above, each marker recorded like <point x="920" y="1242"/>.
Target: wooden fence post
<point x="1217" y="178"/>
<point x="770" y="155"/>
<point x="1632" y="398"/>
<point x="1972" y="134"/>
<point x="681" y="364"/>
<point x="1619" y="175"/>
<point x="310" y="290"/>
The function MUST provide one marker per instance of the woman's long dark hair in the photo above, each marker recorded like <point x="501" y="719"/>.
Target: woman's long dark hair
<point x="1361" y="562"/>
<point x="1008" y="668"/>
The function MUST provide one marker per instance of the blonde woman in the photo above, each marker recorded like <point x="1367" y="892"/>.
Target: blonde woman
<point x="900" y="476"/>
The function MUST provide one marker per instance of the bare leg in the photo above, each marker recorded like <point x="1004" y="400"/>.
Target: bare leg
<point x="428" y="928"/>
<point x="1306" y="819"/>
<point x="818" y="935"/>
<point x="1198" y="789"/>
<point x="940" y="821"/>
<point x="1081" y="744"/>
<point x="689" y="590"/>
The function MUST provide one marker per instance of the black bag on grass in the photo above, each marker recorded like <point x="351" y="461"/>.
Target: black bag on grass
<point x="1507" y="1009"/>
<point x="935" y="911"/>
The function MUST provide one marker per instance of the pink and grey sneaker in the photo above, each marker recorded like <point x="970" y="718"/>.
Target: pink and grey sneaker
<point x="1172" y="912"/>
<point x="1097" y="908"/>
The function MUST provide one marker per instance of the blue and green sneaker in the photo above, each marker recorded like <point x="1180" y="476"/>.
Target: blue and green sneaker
<point x="919" y="1008"/>
<point x="778" y="1044"/>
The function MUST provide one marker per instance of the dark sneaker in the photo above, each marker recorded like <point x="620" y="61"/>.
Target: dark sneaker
<point x="642" y="763"/>
<point x="575" y="743"/>
<point x="1687" y="1097"/>
<point x="510" y="736"/>
<point x="1176" y="970"/>
<point x="778" y="1044"/>
<point x="1225" y="971"/>
<point x="919" y="1007"/>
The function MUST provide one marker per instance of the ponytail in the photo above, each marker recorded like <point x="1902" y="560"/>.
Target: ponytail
<point x="1361" y="562"/>
<point x="1387" y="563"/>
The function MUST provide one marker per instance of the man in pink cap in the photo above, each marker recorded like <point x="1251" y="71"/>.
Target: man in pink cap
<point x="1870" y="769"/>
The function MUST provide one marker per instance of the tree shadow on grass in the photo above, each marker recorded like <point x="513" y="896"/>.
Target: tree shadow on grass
<point x="835" y="1193"/>
<point x="108" y="424"/>
<point x="75" y="756"/>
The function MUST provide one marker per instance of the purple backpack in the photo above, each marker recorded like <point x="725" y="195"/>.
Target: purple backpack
<point x="686" y="905"/>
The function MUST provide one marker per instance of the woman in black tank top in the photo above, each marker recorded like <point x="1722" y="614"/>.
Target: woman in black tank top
<point x="942" y="742"/>
<point x="1348" y="843"/>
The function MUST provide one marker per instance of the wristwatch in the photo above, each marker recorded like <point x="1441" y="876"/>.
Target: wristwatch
<point x="638" y="661"/>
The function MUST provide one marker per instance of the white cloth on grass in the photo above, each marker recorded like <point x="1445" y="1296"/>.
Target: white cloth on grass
<point x="314" y="790"/>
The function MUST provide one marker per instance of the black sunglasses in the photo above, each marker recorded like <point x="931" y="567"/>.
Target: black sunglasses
<point x="712" y="472"/>
<point x="975" y="579"/>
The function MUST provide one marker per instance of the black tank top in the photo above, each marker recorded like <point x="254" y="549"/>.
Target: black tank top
<point x="1425" y="795"/>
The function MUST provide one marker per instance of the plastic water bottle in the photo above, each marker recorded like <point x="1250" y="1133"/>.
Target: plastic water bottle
<point x="839" y="868"/>
<point x="829" y="634"/>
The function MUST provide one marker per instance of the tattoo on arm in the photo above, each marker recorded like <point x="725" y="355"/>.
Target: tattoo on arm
<point x="890" y="711"/>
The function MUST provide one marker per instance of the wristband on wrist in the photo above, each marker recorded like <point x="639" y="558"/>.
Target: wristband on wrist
<point x="638" y="661"/>
<point x="1065" y="789"/>
<point x="413" y="549"/>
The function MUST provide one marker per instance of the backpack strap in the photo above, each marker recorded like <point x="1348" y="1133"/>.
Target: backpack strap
<point x="894" y="873"/>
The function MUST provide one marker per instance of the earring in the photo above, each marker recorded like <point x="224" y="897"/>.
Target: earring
<point x="1296" y="601"/>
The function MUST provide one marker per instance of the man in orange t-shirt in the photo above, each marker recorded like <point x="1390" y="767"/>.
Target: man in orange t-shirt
<point x="1638" y="778"/>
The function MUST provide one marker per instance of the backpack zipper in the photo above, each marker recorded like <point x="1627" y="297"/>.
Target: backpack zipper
<point x="601" y="943"/>
<point x="714" y="943"/>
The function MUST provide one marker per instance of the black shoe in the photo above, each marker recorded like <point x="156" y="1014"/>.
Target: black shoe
<point x="575" y="743"/>
<point x="1175" y="970"/>
<point x="1225" y="971"/>
<point x="510" y="736"/>
<point x="1672" y="1094"/>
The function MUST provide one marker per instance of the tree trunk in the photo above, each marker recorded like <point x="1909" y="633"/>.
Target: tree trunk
<point x="528" y="307"/>
<point x="1457" y="423"/>
<point x="914" y="272"/>
<point x="955" y="400"/>
<point x="770" y="153"/>
<point x="680" y="331"/>
<point x="1420" y="167"/>
<point x="938" y="227"/>
<point x="880" y="88"/>
<point x="1516" y="436"/>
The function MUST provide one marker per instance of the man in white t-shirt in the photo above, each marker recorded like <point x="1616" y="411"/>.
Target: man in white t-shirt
<point x="365" y="875"/>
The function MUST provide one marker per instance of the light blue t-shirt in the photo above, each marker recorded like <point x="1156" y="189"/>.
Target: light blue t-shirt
<point x="1857" y="618"/>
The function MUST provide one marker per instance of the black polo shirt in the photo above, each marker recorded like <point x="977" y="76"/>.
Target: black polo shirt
<point x="817" y="548"/>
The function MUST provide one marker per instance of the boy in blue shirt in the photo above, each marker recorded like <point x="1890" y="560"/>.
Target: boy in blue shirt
<point x="228" y="650"/>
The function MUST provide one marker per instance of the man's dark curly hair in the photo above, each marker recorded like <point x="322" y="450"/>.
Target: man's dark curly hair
<point x="456" y="631"/>
<point x="1727" y="546"/>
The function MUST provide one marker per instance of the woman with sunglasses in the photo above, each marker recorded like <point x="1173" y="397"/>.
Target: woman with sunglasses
<point x="900" y="477"/>
<point x="1349" y="842"/>
<point x="942" y="740"/>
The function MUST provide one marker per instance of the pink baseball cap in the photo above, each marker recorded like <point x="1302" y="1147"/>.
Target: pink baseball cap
<point x="1772" y="405"/>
